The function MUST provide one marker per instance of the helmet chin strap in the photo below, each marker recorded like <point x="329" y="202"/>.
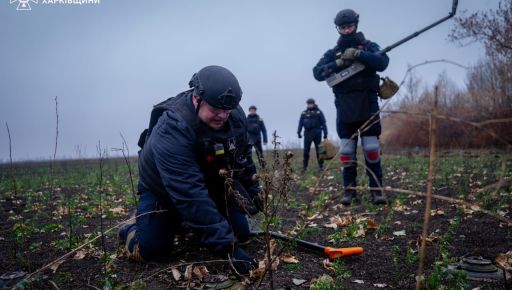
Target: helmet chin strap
<point x="199" y="101"/>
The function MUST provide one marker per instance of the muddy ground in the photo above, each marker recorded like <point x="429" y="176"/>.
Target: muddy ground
<point x="36" y="222"/>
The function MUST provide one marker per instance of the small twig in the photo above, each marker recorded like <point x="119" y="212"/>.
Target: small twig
<point x="275" y="192"/>
<point x="70" y="224"/>
<point x="52" y="167"/>
<point x="56" y="129"/>
<point x="497" y="185"/>
<point x="127" y="161"/>
<point x="14" y="183"/>
<point x="54" y="284"/>
<point x="430" y="62"/>
<point x="230" y="261"/>
<point x="11" y="166"/>
<point x="100" y="191"/>
<point x="430" y="185"/>
<point x="270" y="213"/>
<point x="474" y="207"/>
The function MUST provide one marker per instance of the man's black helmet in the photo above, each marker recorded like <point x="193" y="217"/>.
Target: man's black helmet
<point x="217" y="86"/>
<point x="253" y="107"/>
<point x="310" y="101"/>
<point x="346" y="16"/>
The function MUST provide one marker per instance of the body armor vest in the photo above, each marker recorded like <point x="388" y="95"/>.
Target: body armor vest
<point x="216" y="150"/>
<point x="353" y="94"/>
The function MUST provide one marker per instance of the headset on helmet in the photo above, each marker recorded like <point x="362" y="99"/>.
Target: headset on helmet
<point x="217" y="86"/>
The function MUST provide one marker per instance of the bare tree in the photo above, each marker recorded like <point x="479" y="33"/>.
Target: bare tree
<point x="493" y="28"/>
<point x="490" y="81"/>
<point x="412" y="87"/>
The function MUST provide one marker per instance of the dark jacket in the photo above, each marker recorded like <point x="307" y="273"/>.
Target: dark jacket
<point x="255" y="128"/>
<point x="357" y="95"/>
<point x="179" y="164"/>
<point x="313" y="121"/>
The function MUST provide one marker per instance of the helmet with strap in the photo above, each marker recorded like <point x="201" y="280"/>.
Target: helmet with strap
<point x="217" y="86"/>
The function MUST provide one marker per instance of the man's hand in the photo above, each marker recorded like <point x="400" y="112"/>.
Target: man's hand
<point x="241" y="261"/>
<point x="351" y="54"/>
<point x="325" y="136"/>
<point x="258" y="202"/>
<point x="343" y="62"/>
<point x="248" y="202"/>
<point x="299" y="135"/>
<point x="340" y="62"/>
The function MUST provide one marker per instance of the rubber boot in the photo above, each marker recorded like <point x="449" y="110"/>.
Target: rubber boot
<point x="378" y="197"/>
<point x="126" y="235"/>
<point x="122" y="233"/>
<point x="348" y="196"/>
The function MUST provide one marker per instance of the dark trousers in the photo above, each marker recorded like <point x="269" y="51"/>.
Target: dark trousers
<point x="155" y="231"/>
<point x="312" y="136"/>
<point x="350" y="131"/>
<point x="258" y="148"/>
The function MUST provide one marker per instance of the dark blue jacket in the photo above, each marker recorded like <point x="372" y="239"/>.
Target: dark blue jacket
<point x="176" y="164"/>
<point x="312" y="120"/>
<point x="255" y="128"/>
<point x="357" y="95"/>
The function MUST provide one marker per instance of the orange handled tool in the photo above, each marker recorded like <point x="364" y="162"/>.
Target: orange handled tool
<point x="333" y="253"/>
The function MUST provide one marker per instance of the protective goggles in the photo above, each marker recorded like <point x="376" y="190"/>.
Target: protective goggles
<point x="345" y="26"/>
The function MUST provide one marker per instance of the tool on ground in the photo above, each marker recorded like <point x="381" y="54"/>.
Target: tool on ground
<point x="478" y="269"/>
<point x="356" y="67"/>
<point x="333" y="253"/>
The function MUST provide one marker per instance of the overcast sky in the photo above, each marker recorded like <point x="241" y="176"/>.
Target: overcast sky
<point x="110" y="62"/>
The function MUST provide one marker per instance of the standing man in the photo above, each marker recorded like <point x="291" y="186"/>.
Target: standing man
<point x="356" y="101"/>
<point x="196" y="173"/>
<point x="313" y="121"/>
<point x="255" y="128"/>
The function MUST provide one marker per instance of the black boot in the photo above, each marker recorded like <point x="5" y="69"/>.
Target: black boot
<point x="378" y="197"/>
<point x="348" y="196"/>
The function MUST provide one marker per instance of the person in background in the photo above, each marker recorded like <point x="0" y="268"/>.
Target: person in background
<point x="313" y="121"/>
<point x="256" y="128"/>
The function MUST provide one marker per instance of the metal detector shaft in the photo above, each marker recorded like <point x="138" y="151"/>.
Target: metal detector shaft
<point x="333" y="253"/>
<point x="356" y="67"/>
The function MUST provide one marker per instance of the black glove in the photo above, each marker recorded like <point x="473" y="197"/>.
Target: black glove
<point x="258" y="201"/>
<point x="241" y="261"/>
<point x="248" y="202"/>
<point x="325" y="136"/>
<point x="299" y="135"/>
